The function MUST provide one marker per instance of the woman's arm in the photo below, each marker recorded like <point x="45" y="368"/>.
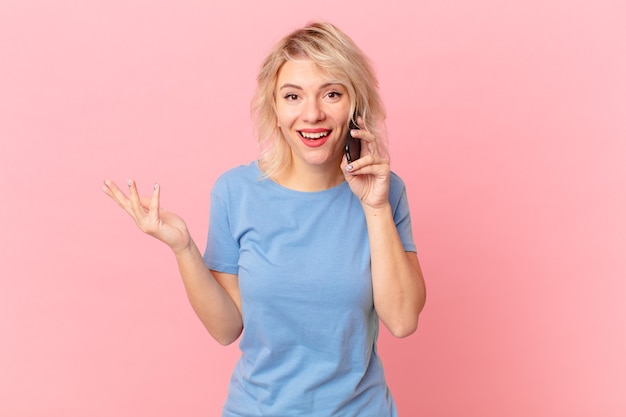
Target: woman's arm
<point x="398" y="284"/>
<point x="214" y="296"/>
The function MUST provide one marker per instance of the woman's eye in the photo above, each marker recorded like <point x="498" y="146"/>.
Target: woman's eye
<point x="334" y="94"/>
<point x="291" y="97"/>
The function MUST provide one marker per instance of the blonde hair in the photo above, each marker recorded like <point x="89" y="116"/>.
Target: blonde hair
<point x="335" y="52"/>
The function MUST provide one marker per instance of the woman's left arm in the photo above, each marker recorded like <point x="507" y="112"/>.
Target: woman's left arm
<point x="397" y="280"/>
<point x="398" y="283"/>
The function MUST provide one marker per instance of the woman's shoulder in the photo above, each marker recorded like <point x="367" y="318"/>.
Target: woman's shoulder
<point x="396" y="180"/>
<point x="396" y="185"/>
<point x="239" y="180"/>
<point x="238" y="174"/>
<point x="241" y="171"/>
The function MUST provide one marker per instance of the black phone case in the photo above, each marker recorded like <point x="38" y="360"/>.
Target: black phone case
<point x="353" y="145"/>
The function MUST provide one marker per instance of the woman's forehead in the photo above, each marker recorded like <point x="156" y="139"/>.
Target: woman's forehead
<point x="306" y="72"/>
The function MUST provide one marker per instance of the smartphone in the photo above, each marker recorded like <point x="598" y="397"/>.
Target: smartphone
<point x="353" y="145"/>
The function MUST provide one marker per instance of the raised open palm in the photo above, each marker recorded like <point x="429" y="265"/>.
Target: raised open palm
<point x="164" y="225"/>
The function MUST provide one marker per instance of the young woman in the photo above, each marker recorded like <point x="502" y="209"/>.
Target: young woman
<point x="305" y="251"/>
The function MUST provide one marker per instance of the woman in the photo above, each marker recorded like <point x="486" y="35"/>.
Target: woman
<point x="305" y="251"/>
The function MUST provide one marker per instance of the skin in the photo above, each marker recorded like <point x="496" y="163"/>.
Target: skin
<point x="308" y="102"/>
<point x="213" y="295"/>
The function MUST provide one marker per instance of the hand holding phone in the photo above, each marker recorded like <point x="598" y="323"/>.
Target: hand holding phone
<point x="353" y="145"/>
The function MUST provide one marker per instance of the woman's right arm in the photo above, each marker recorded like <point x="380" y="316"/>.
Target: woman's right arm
<point x="213" y="295"/>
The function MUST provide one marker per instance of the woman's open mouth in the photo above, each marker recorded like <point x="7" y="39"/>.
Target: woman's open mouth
<point x="314" y="138"/>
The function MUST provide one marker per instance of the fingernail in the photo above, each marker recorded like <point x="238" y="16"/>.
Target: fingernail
<point x="349" y="167"/>
<point x="156" y="185"/>
<point x="129" y="182"/>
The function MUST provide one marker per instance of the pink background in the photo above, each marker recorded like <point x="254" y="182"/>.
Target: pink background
<point x="507" y="122"/>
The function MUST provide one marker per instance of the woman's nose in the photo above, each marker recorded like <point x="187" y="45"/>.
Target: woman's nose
<point x="312" y="112"/>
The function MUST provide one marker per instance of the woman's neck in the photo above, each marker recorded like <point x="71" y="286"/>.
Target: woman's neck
<point x="309" y="179"/>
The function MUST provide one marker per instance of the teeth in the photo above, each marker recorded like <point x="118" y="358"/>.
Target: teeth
<point x="314" y="135"/>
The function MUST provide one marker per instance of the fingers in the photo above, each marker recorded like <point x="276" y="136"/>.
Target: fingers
<point x="113" y="191"/>
<point x="371" y="160"/>
<point x="143" y="210"/>
<point x="368" y="139"/>
<point x="367" y="164"/>
<point x="135" y="200"/>
<point x="154" y="203"/>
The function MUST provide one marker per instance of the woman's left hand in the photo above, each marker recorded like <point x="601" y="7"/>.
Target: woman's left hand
<point x="369" y="175"/>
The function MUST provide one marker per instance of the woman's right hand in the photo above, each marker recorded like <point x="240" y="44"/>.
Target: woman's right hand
<point x="149" y="217"/>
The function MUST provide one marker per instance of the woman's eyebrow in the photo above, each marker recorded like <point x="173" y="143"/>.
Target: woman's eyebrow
<point x="289" y="85"/>
<point x="321" y="87"/>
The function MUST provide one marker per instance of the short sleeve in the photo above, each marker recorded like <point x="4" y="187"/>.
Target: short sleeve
<point x="401" y="213"/>
<point x="222" y="250"/>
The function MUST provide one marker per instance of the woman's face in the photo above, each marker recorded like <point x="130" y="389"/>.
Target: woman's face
<point x="312" y="110"/>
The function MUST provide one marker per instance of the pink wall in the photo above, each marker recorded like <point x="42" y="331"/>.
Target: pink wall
<point x="508" y="123"/>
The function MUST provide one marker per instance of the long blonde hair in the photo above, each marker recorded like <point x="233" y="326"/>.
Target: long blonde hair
<point x="335" y="52"/>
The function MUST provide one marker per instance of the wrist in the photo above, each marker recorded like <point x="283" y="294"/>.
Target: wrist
<point x="377" y="211"/>
<point x="184" y="250"/>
